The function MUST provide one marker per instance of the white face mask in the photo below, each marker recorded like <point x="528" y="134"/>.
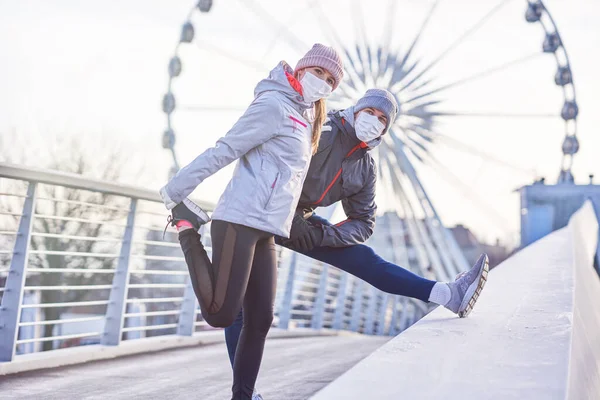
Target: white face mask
<point x="368" y="127"/>
<point x="314" y="88"/>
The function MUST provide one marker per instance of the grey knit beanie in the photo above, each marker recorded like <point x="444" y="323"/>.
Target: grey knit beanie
<point x="381" y="100"/>
<point x="324" y="57"/>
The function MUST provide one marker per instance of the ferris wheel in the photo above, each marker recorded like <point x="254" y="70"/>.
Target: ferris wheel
<point x="460" y="70"/>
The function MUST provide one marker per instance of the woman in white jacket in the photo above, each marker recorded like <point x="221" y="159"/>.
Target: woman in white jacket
<point x="274" y="141"/>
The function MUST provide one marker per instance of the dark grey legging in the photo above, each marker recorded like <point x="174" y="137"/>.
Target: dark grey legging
<point x="243" y="269"/>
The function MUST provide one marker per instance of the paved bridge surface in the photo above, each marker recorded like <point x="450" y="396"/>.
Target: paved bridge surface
<point x="293" y="369"/>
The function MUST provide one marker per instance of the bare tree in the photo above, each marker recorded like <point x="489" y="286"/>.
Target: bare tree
<point x="68" y="224"/>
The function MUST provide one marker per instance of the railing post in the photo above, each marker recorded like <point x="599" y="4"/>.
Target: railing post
<point x="385" y="300"/>
<point x="357" y="306"/>
<point x="10" y="310"/>
<point x="187" y="314"/>
<point x="286" y="305"/>
<point x="404" y="316"/>
<point x="317" y="319"/>
<point x="340" y="308"/>
<point x="370" y="317"/>
<point x="115" y="311"/>
<point x="393" y="331"/>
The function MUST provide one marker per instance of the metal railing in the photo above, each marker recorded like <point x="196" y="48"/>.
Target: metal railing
<point x="83" y="261"/>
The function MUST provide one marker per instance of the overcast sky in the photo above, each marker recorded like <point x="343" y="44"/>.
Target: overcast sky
<point x="97" y="70"/>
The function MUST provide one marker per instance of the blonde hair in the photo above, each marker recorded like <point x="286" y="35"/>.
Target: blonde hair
<point x="320" y="116"/>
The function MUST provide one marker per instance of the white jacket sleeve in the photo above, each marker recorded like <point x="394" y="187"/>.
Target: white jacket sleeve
<point x="261" y="121"/>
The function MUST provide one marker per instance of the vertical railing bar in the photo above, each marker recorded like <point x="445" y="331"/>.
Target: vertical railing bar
<point x="286" y="304"/>
<point x="370" y="317"/>
<point x="357" y="306"/>
<point x="393" y="331"/>
<point x="404" y="316"/>
<point x="10" y="309"/>
<point x="317" y="319"/>
<point x="187" y="316"/>
<point x="340" y="302"/>
<point x="385" y="301"/>
<point x="115" y="310"/>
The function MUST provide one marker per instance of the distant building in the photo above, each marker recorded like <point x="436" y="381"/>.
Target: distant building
<point x="546" y="208"/>
<point x="472" y="248"/>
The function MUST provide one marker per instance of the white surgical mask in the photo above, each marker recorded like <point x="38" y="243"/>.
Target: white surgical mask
<point x="314" y="88"/>
<point x="368" y="127"/>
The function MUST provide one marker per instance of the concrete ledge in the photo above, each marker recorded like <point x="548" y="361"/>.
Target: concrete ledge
<point x="532" y="335"/>
<point x="584" y="374"/>
<point x="83" y="354"/>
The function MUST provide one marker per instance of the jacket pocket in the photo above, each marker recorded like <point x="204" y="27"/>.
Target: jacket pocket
<point x="272" y="190"/>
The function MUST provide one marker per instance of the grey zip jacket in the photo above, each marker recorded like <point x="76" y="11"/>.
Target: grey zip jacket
<point x="342" y="169"/>
<point x="272" y="141"/>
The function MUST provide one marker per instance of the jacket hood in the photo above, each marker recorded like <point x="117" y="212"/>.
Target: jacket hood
<point x="278" y="81"/>
<point x="348" y="115"/>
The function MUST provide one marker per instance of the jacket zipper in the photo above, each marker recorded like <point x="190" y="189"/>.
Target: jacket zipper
<point x="272" y="190"/>
<point x="298" y="121"/>
<point x="336" y="177"/>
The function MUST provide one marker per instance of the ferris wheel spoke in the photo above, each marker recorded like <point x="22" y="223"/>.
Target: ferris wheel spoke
<point x="422" y="110"/>
<point x="284" y="26"/>
<point x="468" y="149"/>
<point x="416" y="112"/>
<point x="420" y="129"/>
<point x="415" y="142"/>
<point x="461" y="146"/>
<point x="353" y="72"/>
<point x="468" y="192"/>
<point x="349" y="91"/>
<point x="374" y="63"/>
<point x="398" y="74"/>
<point x="383" y="50"/>
<point x="326" y="25"/>
<point x="454" y="45"/>
<point x="417" y="154"/>
<point x="437" y="233"/>
<point x="412" y="132"/>
<point x="257" y="66"/>
<point x="419" y="231"/>
<point x="400" y="142"/>
<point x="412" y="46"/>
<point x="259" y="11"/>
<point x="330" y="32"/>
<point x="479" y="75"/>
<point x="419" y="33"/>
<point x="346" y="91"/>
<point x="388" y="31"/>
<point x="361" y="40"/>
<point x="420" y="86"/>
<point x="463" y="188"/>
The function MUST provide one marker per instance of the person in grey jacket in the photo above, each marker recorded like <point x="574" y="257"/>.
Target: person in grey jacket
<point x="343" y="170"/>
<point x="274" y="141"/>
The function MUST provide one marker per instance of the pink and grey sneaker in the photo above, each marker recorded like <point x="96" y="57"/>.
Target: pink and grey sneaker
<point x="188" y="211"/>
<point x="467" y="287"/>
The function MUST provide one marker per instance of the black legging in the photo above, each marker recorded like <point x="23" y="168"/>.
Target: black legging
<point x="244" y="269"/>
